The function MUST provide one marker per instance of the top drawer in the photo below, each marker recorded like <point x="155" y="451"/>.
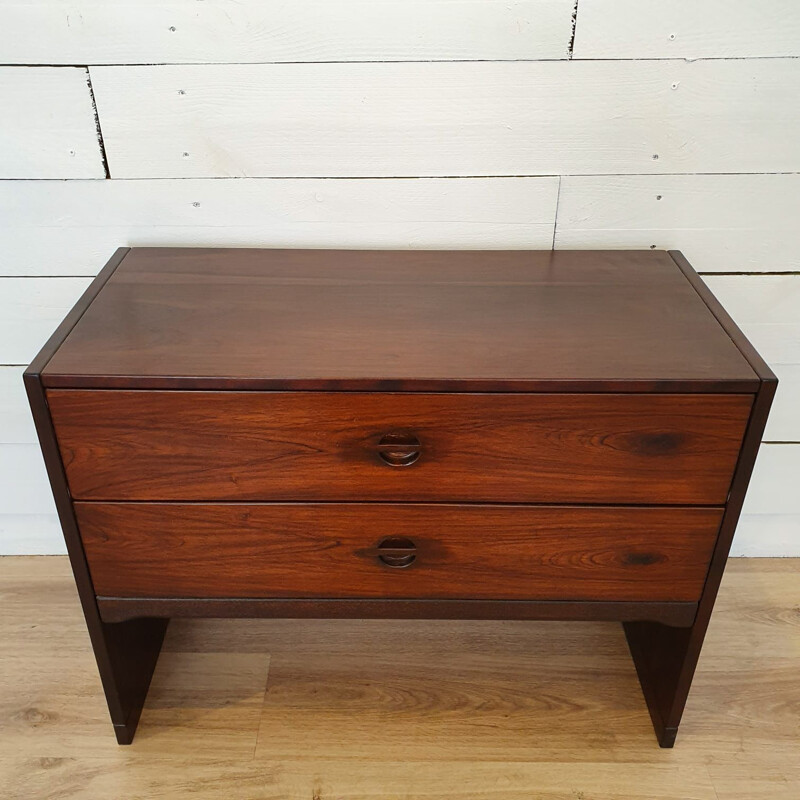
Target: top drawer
<point x="534" y="448"/>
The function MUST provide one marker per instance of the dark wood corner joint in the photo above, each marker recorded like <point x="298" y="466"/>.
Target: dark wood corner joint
<point x="517" y="435"/>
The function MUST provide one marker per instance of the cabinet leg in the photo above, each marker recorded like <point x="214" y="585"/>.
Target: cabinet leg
<point x="665" y="660"/>
<point x="126" y="654"/>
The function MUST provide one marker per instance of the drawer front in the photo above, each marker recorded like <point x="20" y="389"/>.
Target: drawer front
<point x="397" y="551"/>
<point x="265" y="446"/>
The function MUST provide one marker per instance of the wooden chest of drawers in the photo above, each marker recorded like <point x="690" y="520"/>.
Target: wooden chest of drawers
<point x="528" y="435"/>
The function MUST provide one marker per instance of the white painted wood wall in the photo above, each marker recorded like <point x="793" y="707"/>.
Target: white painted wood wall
<point x="401" y="123"/>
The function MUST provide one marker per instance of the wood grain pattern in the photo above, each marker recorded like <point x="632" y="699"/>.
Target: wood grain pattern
<point x="666" y="658"/>
<point x="125" y="445"/>
<point x="127" y="653"/>
<point x="759" y="782"/>
<point x="239" y="548"/>
<point x="477" y="708"/>
<point x="241" y="31"/>
<point x="495" y="552"/>
<point x="416" y="320"/>
<point x="765" y="306"/>
<point x="217" y="696"/>
<point x="289" y="779"/>
<point x="450" y="119"/>
<point x="680" y="613"/>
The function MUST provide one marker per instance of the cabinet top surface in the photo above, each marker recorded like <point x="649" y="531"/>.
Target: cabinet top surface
<point x="399" y="320"/>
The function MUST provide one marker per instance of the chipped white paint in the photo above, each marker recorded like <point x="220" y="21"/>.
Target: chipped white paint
<point x="557" y="117"/>
<point x="71" y="228"/>
<point x="241" y="31"/>
<point x="687" y="29"/>
<point x="48" y="127"/>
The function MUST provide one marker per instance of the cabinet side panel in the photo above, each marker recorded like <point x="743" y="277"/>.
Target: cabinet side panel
<point x="126" y="653"/>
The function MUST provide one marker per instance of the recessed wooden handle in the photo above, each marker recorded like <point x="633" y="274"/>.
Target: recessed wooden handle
<point x="399" y="449"/>
<point x="397" y="551"/>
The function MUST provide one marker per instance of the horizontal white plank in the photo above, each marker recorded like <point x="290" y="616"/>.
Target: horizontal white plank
<point x="180" y="31"/>
<point x="30" y="534"/>
<point x="72" y="228"/>
<point x="30" y="310"/>
<point x="48" y="128"/>
<point x="687" y="28"/>
<point x="721" y="223"/>
<point x="428" y="119"/>
<point x="16" y="423"/>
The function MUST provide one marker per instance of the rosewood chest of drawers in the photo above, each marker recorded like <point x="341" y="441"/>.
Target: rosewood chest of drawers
<point x="494" y="435"/>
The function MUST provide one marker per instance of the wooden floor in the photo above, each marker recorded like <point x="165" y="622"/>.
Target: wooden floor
<point x="346" y="710"/>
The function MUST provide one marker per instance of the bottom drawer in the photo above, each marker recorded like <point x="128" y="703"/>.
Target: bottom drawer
<point x="331" y="550"/>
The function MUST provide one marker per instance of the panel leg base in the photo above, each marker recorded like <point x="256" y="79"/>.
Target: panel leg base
<point x="126" y="654"/>
<point x="667" y="737"/>
<point x="124" y="733"/>
<point x="665" y="659"/>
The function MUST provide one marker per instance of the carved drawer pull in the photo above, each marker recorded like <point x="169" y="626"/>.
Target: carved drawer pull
<point x="399" y="449"/>
<point x="397" y="552"/>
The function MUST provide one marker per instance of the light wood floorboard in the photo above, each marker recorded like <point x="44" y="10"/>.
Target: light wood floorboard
<point x="354" y="709"/>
